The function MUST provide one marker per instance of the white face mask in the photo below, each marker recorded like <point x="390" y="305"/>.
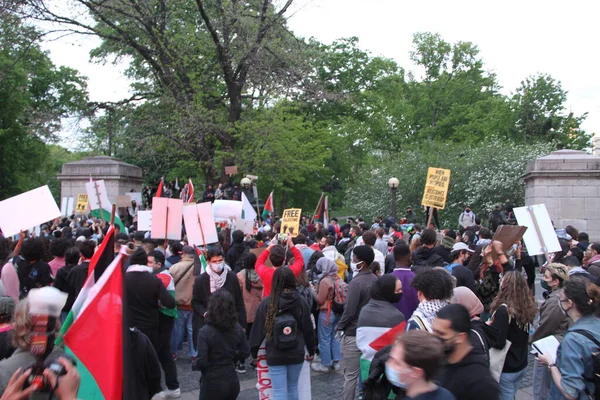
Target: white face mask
<point x="355" y="267"/>
<point x="218" y="267"/>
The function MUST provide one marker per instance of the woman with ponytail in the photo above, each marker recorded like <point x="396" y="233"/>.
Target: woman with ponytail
<point x="573" y="372"/>
<point x="283" y="322"/>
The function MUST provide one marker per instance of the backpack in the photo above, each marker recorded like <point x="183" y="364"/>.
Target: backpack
<point x="595" y="362"/>
<point x="285" y="331"/>
<point x="340" y="289"/>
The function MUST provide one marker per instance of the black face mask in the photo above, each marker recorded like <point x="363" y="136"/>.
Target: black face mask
<point x="395" y="298"/>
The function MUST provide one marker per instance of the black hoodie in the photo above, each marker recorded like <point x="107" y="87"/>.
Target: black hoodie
<point x="470" y="378"/>
<point x="424" y="256"/>
<point x="294" y="303"/>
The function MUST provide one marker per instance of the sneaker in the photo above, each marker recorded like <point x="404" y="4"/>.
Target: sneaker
<point x="252" y="365"/>
<point x="167" y="394"/>
<point x="240" y="368"/>
<point x="336" y="365"/>
<point x="318" y="367"/>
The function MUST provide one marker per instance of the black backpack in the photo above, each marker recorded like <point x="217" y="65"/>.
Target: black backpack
<point x="595" y="362"/>
<point x="285" y="331"/>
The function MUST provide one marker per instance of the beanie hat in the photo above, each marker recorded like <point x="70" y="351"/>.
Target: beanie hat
<point x="364" y="253"/>
<point x="7" y="306"/>
<point x="448" y="242"/>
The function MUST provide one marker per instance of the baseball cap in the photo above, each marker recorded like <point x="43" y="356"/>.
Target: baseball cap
<point x="462" y="246"/>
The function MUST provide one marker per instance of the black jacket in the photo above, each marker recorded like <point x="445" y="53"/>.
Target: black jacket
<point x="292" y="302"/>
<point x="218" y="350"/>
<point x="234" y="255"/>
<point x="33" y="276"/>
<point x="424" y="256"/>
<point x="470" y="378"/>
<point x="144" y="292"/>
<point x="508" y="329"/>
<point x="443" y="252"/>
<point x="359" y="294"/>
<point x="60" y="282"/>
<point x="376" y="386"/>
<point x="464" y="277"/>
<point x="145" y="381"/>
<point x="77" y="277"/>
<point x="201" y="296"/>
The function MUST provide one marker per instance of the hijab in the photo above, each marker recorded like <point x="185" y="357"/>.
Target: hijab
<point x="465" y="297"/>
<point x="326" y="267"/>
<point x="383" y="289"/>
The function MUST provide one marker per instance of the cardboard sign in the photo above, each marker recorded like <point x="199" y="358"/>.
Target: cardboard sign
<point x="123" y="201"/>
<point x="144" y="220"/>
<point x="436" y="188"/>
<point x="199" y="220"/>
<point x="82" y="203"/>
<point x="248" y="212"/>
<point x="97" y="195"/>
<point x="227" y="209"/>
<point x="540" y="237"/>
<point x="67" y="206"/>
<point x="290" y="221"/>
<point x="509" y="235"/>
<point x="231" y="170"/>
<point x="166" y="218"/>
<point x="28" y="209"/>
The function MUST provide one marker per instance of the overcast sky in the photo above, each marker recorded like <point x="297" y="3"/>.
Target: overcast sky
<point x="516" y="39"/>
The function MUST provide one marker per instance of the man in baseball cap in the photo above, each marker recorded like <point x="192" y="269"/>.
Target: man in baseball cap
<point x="460" y="255"/>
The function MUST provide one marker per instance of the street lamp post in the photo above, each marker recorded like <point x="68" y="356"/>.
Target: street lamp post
<point x="393" y="183"/>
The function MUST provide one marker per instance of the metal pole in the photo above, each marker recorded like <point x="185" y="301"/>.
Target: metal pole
<point x="394" y="204"/>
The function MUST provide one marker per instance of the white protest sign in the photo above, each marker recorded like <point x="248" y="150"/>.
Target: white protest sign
<point x="540" y="236"/>
<point x="144" y="220"/>
<point x="137" y="196"/>
<point x="97" y="195"/>
<point x="193" y="216"/>
<point x="166" y="218"/>
<point x="67" y="206"/>
<point x="27" y="209"/>
<point x="249" y="213"/>
<point x="226" y="209"/>
<point x="245" y="225"/>
<point x="263" y="378"/>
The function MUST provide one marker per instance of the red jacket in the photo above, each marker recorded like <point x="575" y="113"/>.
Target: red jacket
<point x="266" y="273"/>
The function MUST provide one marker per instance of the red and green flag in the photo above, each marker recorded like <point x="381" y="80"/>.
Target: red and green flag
<point x="269" y="207"/>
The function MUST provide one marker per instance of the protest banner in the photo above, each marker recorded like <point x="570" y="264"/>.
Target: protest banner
<point x="67" y="206"/>
<point x="245" y="225"/>
<point x="231" y="170"/>
<point x="248" y="212"/>
<point x="227" y="209"/>
<point x="166" y="218"/>
<point x="28" y="209"/>
<point x="263" y="378"/>
<point x="200" y="224"/>
<point x="97" y="195"/>
<point x="137" y="196"/>
<point x="540" y="237"/>
<point x="82" y="203"/>
<point x="508" y="235"/>
<point x="290" y="221"/>
<point x="144" y="220"/>
<point x="436" y="188"/>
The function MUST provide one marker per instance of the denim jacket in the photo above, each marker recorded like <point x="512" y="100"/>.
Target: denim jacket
<point x="574" y="359"/>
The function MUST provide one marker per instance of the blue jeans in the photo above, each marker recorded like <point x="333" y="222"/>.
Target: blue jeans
<point x="510" y="383"/>
<point x="183" y="322"/>
<point x="284" y="380"/>
<point x="329" y="347"/>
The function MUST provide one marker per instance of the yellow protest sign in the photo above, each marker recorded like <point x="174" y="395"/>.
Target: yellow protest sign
<point x="82" y="203"/>
<point x="290" y="221"/>
<point x="436" y="188"/>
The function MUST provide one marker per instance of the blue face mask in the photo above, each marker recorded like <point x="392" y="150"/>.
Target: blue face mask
<point x="393" y="377"/>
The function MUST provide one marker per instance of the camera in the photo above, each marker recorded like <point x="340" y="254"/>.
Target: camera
<point x="38" y="379"/>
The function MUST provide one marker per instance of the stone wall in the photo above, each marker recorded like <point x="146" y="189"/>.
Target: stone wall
<point x="119" y="177"/>
<point x="568" y="182"/>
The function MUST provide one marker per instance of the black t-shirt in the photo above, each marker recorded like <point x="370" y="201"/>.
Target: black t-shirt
<point x="32" y="276"/>
<point x="438" y="394"/>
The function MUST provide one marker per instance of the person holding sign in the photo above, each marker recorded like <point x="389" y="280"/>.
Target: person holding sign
<point x="276" y="254"/>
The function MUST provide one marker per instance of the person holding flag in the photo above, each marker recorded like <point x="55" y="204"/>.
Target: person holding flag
<point x="269" y="207"/>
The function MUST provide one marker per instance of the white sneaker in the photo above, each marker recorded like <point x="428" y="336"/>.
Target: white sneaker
<point x="319" y="367"/>
<point x="336" y="365"/>
<point x="167" y="394"/>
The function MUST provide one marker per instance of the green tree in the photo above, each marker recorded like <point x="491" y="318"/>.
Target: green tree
<point x="34" y="96"/>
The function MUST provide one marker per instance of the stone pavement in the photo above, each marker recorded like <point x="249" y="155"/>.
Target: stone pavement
<point x="324" y="386"/>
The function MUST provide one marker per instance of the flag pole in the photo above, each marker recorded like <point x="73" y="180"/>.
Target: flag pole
<point x="201" y="232"/>
<point x="166" y="226"/>
<point x="112" y="214"/>
<point x="98" y="198"/>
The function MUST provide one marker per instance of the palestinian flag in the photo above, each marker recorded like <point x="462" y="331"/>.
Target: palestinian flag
<point x="269" y="207"/>
<point x="322" y="212"/>
<point x="160" y="188"/>
<point x="371" y="339"/>
<point x="95" y="336"/>
<point x="105" y="215"/>
<point x="190" y="194"/>
<point x="200" y="259"/>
